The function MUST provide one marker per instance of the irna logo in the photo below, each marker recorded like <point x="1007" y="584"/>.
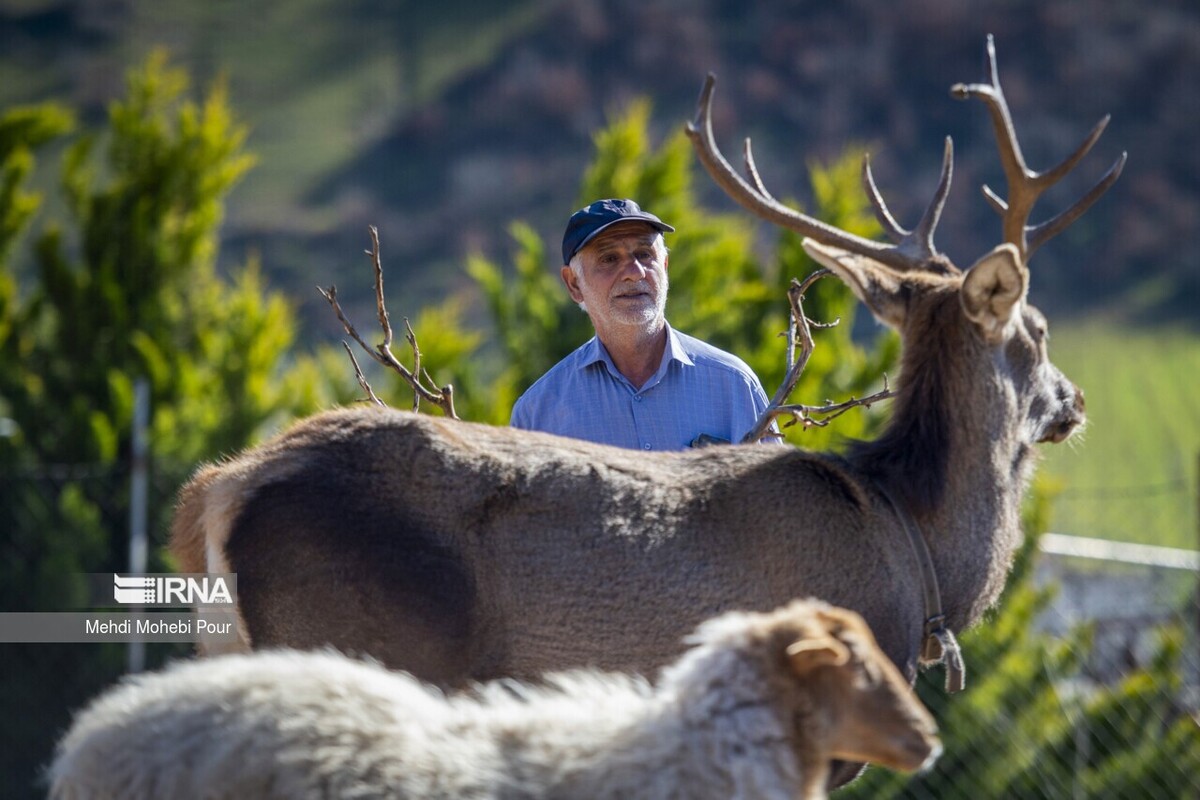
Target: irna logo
<point x="180" y="590"/>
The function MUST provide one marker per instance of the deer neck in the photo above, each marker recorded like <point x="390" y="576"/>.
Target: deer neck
<point x="952" y="457"/>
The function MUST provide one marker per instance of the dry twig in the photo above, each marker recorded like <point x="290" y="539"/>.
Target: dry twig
<point x="800" y="337"/>
<point x="442" y="397"/>
<point x="358" y="373"/>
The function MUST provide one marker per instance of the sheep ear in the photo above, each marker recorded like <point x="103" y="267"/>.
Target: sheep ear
<point x="808" y="654"/>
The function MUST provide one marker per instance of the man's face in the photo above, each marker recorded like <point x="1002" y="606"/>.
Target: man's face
<point x="623" y="279"/>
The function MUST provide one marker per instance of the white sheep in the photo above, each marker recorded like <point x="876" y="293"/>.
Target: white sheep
<point x="756" y="708"/>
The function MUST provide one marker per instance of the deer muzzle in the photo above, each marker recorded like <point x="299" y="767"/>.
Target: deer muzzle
<point x="1074" y="417"/>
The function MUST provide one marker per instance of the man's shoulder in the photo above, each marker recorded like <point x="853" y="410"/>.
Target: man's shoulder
<point x="565" y="369"/>
<point x="704" y="354"/>
<point x="571" y="363"/>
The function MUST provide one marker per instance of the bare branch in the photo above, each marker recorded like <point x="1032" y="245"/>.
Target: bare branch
<point x="800" y="339"/>
<point x="330" y="295"/>
<point x="362" y="379"/>
<point x="803" y="414"/>
<point x="385" y="323"/>
<point x="443" y="398"/>
<point x="411" y="337"/>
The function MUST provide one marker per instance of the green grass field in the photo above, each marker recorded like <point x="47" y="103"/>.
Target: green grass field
<point x="1132" y="474"/>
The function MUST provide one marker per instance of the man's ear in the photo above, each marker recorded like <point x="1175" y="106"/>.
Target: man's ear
<point x="879" y="287"/>
<point x="572" y="281"/>
<point x="993" y="288"/>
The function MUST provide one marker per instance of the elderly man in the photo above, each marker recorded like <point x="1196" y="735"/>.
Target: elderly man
<point x="638" y="383"/>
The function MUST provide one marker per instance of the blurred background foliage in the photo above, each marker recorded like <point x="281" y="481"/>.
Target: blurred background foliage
<point x="443" y="132"/>
<point x="141" y="238"/>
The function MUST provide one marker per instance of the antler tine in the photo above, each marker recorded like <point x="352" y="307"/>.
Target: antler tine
<point x="923" y="234"/>
<point x="919" y="241"/>
<point x="892" y="228"/>
<point x="1025" y="186"/>
<point x="752" y="170"/>
<point x="994" y="200"/>
<point x="1052" y="176"/>
<point x="1043" y="232"/>
<point x="756" y="200"/>
<point x="993" y="96"/>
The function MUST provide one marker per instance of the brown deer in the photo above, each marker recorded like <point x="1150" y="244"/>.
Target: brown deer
<point x="463" y="552"/>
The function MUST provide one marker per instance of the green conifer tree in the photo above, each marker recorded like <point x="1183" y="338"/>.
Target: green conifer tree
<point x="126" y="288"/>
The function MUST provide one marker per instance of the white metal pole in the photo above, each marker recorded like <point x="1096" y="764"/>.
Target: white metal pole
<point x="139" y="546"/>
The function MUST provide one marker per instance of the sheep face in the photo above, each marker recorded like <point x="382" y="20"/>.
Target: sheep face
<point x="860" y="701"/>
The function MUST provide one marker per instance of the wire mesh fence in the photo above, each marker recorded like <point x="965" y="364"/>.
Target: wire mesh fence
<point x="1136" y="674"/>
<point x="1086" y="684"/>
<point x="1156" y="511"/>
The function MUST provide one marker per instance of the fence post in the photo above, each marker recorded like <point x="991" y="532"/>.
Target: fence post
<point x="139" y="545"/>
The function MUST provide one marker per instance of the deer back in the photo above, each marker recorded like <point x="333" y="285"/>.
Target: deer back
<point x="457" y="550"/>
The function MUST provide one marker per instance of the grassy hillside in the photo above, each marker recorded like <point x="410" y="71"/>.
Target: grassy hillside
<point x="441" y="123"/>
<point x="1132" y="476"/>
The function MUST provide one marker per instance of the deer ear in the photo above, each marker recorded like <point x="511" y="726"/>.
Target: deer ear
<point x="878" y="287"/>
<point x="993" y="288"/>
<point x="808" y="654"/>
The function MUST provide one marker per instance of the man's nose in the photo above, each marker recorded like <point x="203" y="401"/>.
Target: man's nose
<point x="633" y="269"/>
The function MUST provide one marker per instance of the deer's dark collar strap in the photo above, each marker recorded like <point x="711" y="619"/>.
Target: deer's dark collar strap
<point x="938" y="645"/>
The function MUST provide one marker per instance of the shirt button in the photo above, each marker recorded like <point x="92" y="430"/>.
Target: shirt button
<point x="637" y="398"/>
<point x="646" y="446"/>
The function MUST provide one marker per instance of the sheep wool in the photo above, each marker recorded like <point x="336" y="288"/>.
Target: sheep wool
<point x="721" y="722"/>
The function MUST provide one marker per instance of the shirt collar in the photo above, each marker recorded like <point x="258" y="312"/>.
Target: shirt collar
<point x="595" y="352"/>
<point x="675" y="348"/>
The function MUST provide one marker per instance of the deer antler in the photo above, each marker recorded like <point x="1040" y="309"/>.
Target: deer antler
<point x="913" y="249"/>
<point x="443" y="398"/>
<point x="918" y="243"/>
<point x="1024" y="185"/>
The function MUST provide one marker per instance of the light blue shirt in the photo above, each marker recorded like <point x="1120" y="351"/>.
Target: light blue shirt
<point x="697" y="389"/>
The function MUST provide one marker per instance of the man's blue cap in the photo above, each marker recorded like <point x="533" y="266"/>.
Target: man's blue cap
<point x="587" y="222"/>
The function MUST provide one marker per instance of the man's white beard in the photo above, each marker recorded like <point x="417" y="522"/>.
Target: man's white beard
<point x="642" y="313"/>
